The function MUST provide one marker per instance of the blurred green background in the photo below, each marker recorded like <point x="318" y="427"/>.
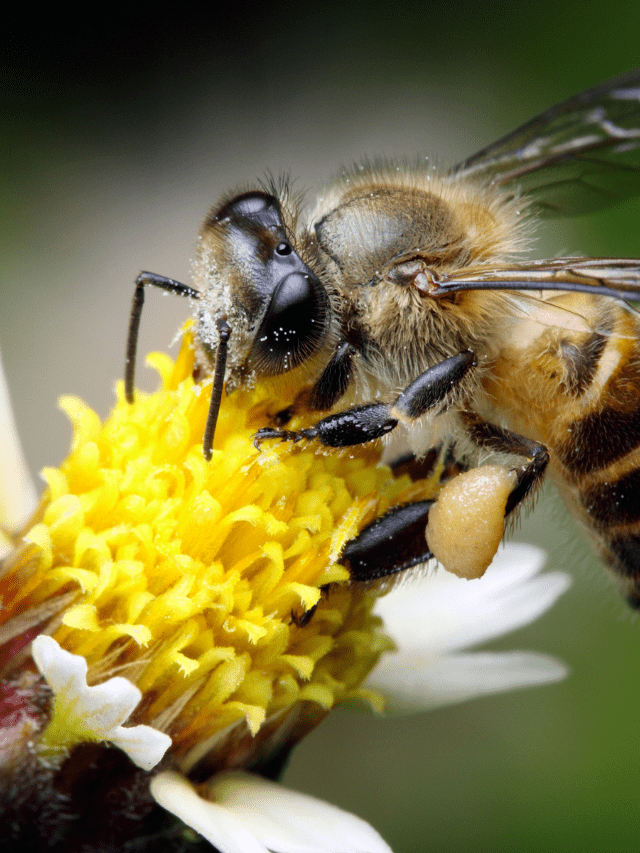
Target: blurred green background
<point x="118" y="136"/>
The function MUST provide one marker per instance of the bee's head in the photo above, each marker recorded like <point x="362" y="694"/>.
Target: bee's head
<point x="250" y="274"/>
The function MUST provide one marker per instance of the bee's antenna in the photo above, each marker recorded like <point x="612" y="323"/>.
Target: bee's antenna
<point x="134" y="319"/>
<point x="216" y="390"/>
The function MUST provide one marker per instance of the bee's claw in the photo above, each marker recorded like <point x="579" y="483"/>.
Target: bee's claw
<point x="283" y="434"/>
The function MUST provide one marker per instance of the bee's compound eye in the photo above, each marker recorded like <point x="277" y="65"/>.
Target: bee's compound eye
<point x="291" y="297"/>
<point x="293" y="327"/>
<point x="247" y="205"/>
<point x="254" y="207"/>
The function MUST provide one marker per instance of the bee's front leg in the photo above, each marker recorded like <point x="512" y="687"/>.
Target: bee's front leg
<point x="432" y="390"/>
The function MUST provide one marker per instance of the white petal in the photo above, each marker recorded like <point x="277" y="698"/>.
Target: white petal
<point x="107" y="705"/>
<point x="144" y="745"/>
<point x="63" y="670"/>
<point x="287" y="821"/>
<point x="411" y="684"/>
<point x="213" y="822"/>
<point x="17" y="490"/>
<point x="102" y="707"/>
<point x="276" y="818"/>
<point x="96" y="713"/>
<point x="444" y="613"/>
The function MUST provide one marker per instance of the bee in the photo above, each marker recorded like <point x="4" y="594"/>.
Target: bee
<point x="403" y="303"/>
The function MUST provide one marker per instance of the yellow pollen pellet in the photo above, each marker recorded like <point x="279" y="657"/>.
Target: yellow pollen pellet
<point x="466" y="523"/>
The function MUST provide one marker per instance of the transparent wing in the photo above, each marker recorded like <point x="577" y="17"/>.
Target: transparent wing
<point x="576" y="157"/>
<point x="618" y="278"/>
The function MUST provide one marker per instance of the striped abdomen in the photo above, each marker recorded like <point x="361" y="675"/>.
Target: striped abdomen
<point x="579" y="393"/>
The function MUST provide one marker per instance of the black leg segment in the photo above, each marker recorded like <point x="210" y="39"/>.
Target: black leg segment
<point x="134" y="320"/>
<point x="334" y="380"/>
<point x="433" y="389"/>
<point x="344" y="429"/>
<point x="390" y="544"/>
<point x="496" y="438"/>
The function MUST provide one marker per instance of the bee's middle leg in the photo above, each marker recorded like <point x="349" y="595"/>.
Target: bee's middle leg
<point x="433" y="389"/>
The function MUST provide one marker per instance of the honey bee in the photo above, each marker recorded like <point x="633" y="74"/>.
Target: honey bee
<point x="401" y="303"/>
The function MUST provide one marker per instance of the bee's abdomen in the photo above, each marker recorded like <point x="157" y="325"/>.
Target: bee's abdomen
<point x="623" y="553"/>
<point x="612" y="507"/>
<point x="598" y="451"/>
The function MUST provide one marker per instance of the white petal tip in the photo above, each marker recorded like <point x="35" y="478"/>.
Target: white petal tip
<point x="144" y="745"/>
<point x="248" y="814"/>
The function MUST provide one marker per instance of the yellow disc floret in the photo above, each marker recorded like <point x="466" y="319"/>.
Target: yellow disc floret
<point x="191" y="578"/>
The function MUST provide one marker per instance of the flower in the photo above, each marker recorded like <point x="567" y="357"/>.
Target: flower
<point x="83" y="714"/>
<point x="242" y="813"/>
<point x="168" y="593"/>
<point x="183" y="574"/>
<point x="428" y="669"/>
<point x="17" y="492"/>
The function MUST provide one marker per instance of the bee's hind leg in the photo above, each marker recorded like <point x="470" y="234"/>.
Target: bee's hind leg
<point x="467" y="523"/>
<point x="432" y="390"/>
<point x="491" y="437"/>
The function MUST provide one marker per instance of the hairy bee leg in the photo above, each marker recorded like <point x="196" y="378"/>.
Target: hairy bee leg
<point x="492" y="437"/>
<point x="359" y="424"/>
<point x="390" y="544"/>
<point x="134" y="319"/>
<point x="353" y="426"/>
<point x="334" y="379"/>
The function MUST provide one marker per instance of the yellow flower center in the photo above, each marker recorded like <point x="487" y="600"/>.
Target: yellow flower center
<point x="190" y="577"/>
